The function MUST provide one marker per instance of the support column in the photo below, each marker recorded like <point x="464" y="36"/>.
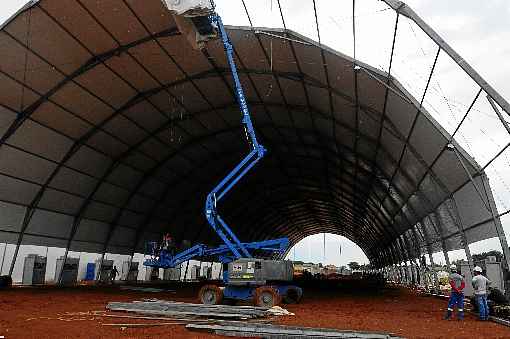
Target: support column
<point x="431" y="259"/>
<point x="461" y="230"/>
<point x="498" y="226"/>
<point x="3" y="259"/>
<point x="442" y="233"/>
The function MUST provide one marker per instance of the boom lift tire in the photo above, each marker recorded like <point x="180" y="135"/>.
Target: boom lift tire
<point x="293" y="295"/>
<point x="266" y="296"/>
<point x="5" y="281"/>
<point x="210" y="295"/>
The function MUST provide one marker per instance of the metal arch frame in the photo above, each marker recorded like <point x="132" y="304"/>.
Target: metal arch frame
<point x="387" y="2"/>
<point x="326" y="210"/>
<point x="281" y="224"/>
<point x="304" y="187"/>
<point x="197" y="182"/>
<point x="23" y="116"/>
<point x="92" y="63"/>
<point x="294" y="79"/>
<point x="112" y="227"/>
<point x="304" y="87"/>
<point x="492" y="94"/>
<point x="407" y="11"/>
<point x="316" y="199"/>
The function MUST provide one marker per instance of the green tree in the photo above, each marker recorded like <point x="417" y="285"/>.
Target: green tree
<point x="353" y="265"/>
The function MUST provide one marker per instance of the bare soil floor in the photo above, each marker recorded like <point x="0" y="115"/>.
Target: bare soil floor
<point x="55" y="313"/>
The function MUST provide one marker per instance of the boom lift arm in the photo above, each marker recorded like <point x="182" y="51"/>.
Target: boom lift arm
<point x="257" y="152"/>
<point x="233" y="248"/>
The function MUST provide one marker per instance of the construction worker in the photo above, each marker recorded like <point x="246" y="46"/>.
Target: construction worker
<point x="457" y="284"/>
<point x="169" y="244"/>
<point x="113" y="274"/>
<point x="480" y="284"/>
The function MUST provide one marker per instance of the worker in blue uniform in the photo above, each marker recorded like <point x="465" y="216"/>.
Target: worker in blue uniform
<point x="480" y="285"/>
<point x="457" y="284"/>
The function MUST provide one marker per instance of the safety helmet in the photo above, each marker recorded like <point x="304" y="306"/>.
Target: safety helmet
<point x="478" y="269"/>
<point x="453" y="267"/>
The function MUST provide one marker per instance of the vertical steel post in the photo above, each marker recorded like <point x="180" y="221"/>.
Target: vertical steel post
<point x="438" y="224"/>
<point x="186" y="271"/>
<point x="3" y="259"/>
<point x="431" y="259"/>
<point x="500" y="116"/>
<point x="462" y="233"/>
<point x="499" y="228"/>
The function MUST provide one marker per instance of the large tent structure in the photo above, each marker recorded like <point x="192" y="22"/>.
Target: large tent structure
<point x="113" y="130"/>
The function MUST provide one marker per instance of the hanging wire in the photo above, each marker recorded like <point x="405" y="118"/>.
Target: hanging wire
<point x="27" y="43"/>
<point x="354" y="30"/>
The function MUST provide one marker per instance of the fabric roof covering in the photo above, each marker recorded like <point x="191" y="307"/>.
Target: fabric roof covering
<point x="113" y="130"/>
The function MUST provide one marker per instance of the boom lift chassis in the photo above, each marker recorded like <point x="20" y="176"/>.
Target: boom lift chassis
<point x="247" y="278"/>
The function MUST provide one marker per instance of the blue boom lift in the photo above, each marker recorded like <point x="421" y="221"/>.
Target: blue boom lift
<point x="265" y="282"/>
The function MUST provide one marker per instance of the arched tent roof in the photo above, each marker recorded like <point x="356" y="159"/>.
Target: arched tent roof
<point x="113" y="130"/>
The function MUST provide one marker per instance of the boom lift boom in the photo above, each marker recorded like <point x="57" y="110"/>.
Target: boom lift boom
<point x="250" y="275"/>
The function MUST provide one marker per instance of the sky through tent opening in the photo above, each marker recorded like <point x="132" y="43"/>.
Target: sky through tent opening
<point x="335" y="250"/>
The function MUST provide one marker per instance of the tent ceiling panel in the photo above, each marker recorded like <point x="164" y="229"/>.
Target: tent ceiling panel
<point x="59" y="201"/>
<point x="39" y="75"/>
<point x="37" y="33"/>
<point x="14" y="95"/>
<point x="80" y="25"/>
<point x="12" y="217"/>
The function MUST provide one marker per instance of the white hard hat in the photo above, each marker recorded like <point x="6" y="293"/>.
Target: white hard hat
<point x="453" y="267"/>
<point x="478" y="269"/>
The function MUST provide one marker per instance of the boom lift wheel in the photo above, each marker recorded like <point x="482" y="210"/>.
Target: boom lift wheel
<point x="210" y="295"/>
<point x="266" y="296"/>
<point x="5" y="281"/>
<point x="293" y="295"/>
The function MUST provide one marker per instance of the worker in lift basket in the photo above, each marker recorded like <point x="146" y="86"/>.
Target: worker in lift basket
<point x="168" y="244"/>
<point x="480" y="284"/>
<point x="457" y="295"/>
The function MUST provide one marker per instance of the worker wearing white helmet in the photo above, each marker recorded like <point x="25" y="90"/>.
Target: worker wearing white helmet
<point x="480" y="284"/>
<point x="457" y="295"/>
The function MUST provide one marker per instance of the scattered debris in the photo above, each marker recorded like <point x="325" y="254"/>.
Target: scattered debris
<point x="277" y="310"/>
<point x="124" y="326"/>
<point x="145" y="289"/>
<point x="279" y="331"/>
<point x="173" y="309"/>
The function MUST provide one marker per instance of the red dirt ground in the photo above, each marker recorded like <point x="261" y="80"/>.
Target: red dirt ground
<point x="35" y="313"/>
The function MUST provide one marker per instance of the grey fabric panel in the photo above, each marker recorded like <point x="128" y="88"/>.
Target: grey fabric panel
<point x="89" y="161"/>
<point x="46" y="223"/>
<point x="70" y="180"/>
<point x="60" y="202"/>
<point x="8" y="237"/>
<point x="471" y="207"/>
<point x="123" y="237"/>
<point x="83" y="246"/>
<point x="22" y="165"/>
<point x="42" y="240"/>
<point x="91" y="231"/>
<point x="131" y="219"/>
<point x="111" y="194"/>
<point x="18" y="191"/>
<point x="99" y="211"/>
<point x="54" y="146"/>
<point x="11" y="217"/>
